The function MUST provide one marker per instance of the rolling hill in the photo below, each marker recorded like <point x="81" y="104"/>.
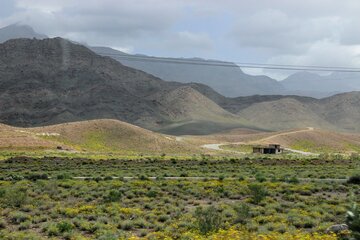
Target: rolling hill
<point x="307" y="141"/>
<point x="101" y="136"/>
<point x="316" y="141"/>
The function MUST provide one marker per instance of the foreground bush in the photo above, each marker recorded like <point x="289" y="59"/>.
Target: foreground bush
<point x="15" y="196"/>
<point x="208" y="219"/>
<point x="353" y="221"/>
<point x="258" y="192"/>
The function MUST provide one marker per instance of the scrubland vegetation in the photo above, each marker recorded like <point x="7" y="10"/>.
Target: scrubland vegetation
<point x="233" y="198"/>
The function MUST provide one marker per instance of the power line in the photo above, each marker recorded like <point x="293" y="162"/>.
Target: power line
<point x="233" y="64"/>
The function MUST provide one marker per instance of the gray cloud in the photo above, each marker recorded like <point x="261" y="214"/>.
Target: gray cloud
<point x="275" y="31"/>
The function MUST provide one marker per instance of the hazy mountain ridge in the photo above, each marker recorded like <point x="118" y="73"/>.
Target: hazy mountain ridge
<point x="53" y="81"/>
<point x="331" y="84"/>
<point x="14" y="31"/>
<point x="228" y="80"/>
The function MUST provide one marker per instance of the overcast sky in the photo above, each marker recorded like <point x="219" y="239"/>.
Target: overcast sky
<point x="307" y="32"/>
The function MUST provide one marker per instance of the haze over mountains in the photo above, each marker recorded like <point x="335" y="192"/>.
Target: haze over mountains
<point x="228" y="80"/>
<point x="18" y="31"/>
<point x="53" y="81"/>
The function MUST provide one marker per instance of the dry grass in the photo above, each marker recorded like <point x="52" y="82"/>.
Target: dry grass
<point x="95" y="135"/>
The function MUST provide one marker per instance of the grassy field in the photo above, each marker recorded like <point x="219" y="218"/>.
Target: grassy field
<point x="279" y="198"/>
<point x="110" y="180"/>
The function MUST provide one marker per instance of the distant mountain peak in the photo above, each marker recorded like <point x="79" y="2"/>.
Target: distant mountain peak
<point x="19" y="30"/>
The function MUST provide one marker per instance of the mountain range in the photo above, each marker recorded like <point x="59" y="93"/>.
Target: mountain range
<point x="224" y="77"/>
<point x="53" y="81"/>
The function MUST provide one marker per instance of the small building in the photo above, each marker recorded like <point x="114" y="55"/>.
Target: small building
<point x="271" y="149"/>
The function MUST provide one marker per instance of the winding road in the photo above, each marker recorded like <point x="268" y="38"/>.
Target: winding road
<point x="217" y="146"/>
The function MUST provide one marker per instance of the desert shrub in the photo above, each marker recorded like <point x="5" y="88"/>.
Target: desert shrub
<point x="63" y="176"/>
<point x="127" y="225"/>
<point x="151" y="194"/>
<point x="52" y="230"/>
<point x="64" y="226"/>
<point x="258" y="192"/>
<point x="163" y="218"/>
<point x="15" y="196"/>
<point x="2" y="193"/>
<point x="355" y="156"/>
<point x="108" y="178"/>
<point x="18" y="217"/>
<point x="260" y="177"/>
<point x="353" y="221"/>
<point x="143" y="178"/>
<point x="354" y="179"/>
<point x="37" y="176"/>
<point x="24" y="225"/>
<point x="242" y="213"/>
<point x="208" y="219"/>
<point x="292" y="179"/>
<point x="113" y="196"/>
<point x="2" y="223"/>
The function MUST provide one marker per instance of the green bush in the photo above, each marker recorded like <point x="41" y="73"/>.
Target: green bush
<point x="260" y="177"/>
<point x="37" y="176"/>
<point x="18" y="217"/>
<point x="2" y="223"/>
<point x="64" y="226"/>
<point x="242" y="213"/>
<point x="113" y="196"/>
<point x="63" y="176"/>
<point x="15" y="196"/>
<point x="52" y="230"/>
<point x="258" y="192"/>
<point x="208" y="219"/>
<point x="151" y="194"/>
<point x="353" y="221"/>
<point x="127" y="225"/>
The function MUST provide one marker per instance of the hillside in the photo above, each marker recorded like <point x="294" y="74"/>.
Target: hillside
<point x="315" y="140"/>
<point x="301" y="140"/>
<point x="192" y="113"/>
<point x="285" y="113"/>
<point x="55" y="81"/>
<point x="95" y="136"/>
<point x="342" y="110"/>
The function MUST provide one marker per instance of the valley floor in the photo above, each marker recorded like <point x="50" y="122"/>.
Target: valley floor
<point x="152" y="198"/>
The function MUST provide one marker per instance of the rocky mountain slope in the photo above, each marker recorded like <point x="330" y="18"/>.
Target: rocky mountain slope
<point x="54" y="81"/>
<point x="101" y="136"/>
